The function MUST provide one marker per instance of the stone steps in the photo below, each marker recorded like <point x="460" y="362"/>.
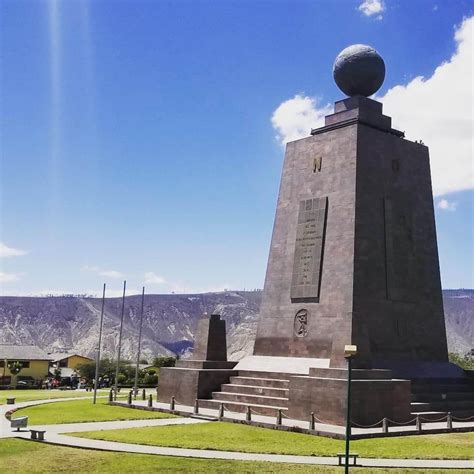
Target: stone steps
<point x="266" y="375"/>
<point x="434" y="398"/>
<point x="250" y="399"/>
<point x="242" y="407"/>
<point x="259" y="382"/>
<point x="440" y="396"/>
<point x="436" y="415"/>
<point x="441" y="388"/>
<point x="453" y="405"/>
<point x="264" y="392"/>
<point x="256" y="390"/>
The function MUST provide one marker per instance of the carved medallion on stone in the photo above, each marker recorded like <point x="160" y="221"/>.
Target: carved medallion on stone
<point x="301" y="323"/>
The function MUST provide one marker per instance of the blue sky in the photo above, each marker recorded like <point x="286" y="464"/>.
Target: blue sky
<point x="143" y="139"/>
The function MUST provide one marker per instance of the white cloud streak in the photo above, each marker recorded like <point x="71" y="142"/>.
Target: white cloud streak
<point x="101" y="272"/>
<point x="371" y="8"/>
<point x="111" y="274"/>
<point x="294" y="118"/>
<point x="7" y="252"/>
<point x="438" y="110"/>
<point x="446" y="205"/>
<point x="153" y="278"/>
<point x="8" y="277"/>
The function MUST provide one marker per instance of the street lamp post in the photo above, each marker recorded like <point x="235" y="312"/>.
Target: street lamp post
<point x="135" y="385"/>
<point x="97" y="362"/>
<point x="349" y="352"/>
<point x="120" y="339"/>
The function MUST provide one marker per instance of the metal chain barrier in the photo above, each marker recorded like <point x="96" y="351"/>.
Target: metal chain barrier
<point x="366" y="426"/>
<point x="434" y="421"/>
<point x="455" y="418"/>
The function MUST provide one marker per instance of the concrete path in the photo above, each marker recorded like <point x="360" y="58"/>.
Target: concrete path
<point x="55" y="434"/>
<point x="6" y="431"/>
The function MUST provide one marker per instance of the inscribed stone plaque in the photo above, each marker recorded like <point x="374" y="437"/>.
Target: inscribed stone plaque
<point x="307" y="261"/>
<point x="400" y="250"/>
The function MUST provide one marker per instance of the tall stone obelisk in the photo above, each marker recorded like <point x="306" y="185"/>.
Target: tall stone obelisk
<point x="353" y="257"/>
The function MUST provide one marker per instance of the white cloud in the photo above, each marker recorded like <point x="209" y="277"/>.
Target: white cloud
<point x="372" y="7"/>
<point x="8" y="277"/>
<point x="111" y="274"/>
<point x="446" y="205"/>
<point x="6" y="252"/>
<point x="438" y="110"/>
<point x="153" y="278"/>
<point x="183" y="288"/>
<point x="101" y="272"/>
<point x="294" y="118"/>
<point x="90" y="268"/>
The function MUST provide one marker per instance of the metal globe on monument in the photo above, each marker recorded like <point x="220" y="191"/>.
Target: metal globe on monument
<point x="359" y="70"/>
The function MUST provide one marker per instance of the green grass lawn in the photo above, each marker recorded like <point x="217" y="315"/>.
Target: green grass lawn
<point x="236" y="437"/>
<point x="20" y="456"/>
<point x="77" y="411"/>
<point x="28" y="395"/>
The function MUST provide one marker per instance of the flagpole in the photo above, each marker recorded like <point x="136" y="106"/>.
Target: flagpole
<point x="100" y="342"/>
<point x="135" y="388"/>
<point x="120" y="337"/>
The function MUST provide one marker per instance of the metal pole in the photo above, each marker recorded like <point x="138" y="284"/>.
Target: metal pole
<point x="120" y="335"/>
<point x="135" y="387"/>
<point x="348" y="414"/>
<point x="96" y="380"/>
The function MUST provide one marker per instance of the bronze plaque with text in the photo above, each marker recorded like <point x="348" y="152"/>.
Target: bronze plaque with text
<point x="307" y="262"/>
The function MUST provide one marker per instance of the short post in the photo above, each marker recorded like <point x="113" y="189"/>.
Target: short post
<point x="172" y="404"/>
<point x="196" y="406"/>
<point x="150" y="401"/>
<point x="312" y="422"/>
<point x="129" y="400"/>
<point x="385" y="425"/>
<point x="143" y="394"/>
<point x="111" y="396"/>
<point x="279" y="416"/>
<point x="115" y="395"/>
<point x="248" y="414"/>
<point x="221" y="411"/>
<point x="418" y="424"/>
<point x="449" y="421"/>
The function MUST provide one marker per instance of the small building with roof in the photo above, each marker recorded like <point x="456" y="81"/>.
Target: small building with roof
<point x="67" y="363"/>
<point x="35" y="363"/>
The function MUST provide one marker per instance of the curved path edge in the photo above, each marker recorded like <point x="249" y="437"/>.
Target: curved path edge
<point x="54" y="435"/>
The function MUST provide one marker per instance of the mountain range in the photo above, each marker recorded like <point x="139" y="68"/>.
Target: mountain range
<point x="71" y="323"/>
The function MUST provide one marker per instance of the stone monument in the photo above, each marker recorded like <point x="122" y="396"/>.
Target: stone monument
<point x="353" y="260"/>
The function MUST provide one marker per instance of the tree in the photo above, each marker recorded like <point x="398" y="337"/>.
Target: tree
<point x="164" y="361"/>
<point x="465" y="361"/>
<point x="14" y="366"/>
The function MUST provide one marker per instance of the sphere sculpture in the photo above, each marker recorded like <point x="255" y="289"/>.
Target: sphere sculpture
<point x="359" y="70"/>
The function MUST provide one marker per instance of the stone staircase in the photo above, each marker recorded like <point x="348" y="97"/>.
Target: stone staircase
<point x="434" y="398"/>
<point x="264" y="392"/>
<point x="267" y="392"/>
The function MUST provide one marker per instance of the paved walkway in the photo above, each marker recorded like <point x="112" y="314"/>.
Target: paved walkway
<point x="57" y="434"/>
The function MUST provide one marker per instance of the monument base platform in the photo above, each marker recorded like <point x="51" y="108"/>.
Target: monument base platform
<point x="193" y="379"/>
<point x="284" y="365"/>
<point x="375" y="395"/>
